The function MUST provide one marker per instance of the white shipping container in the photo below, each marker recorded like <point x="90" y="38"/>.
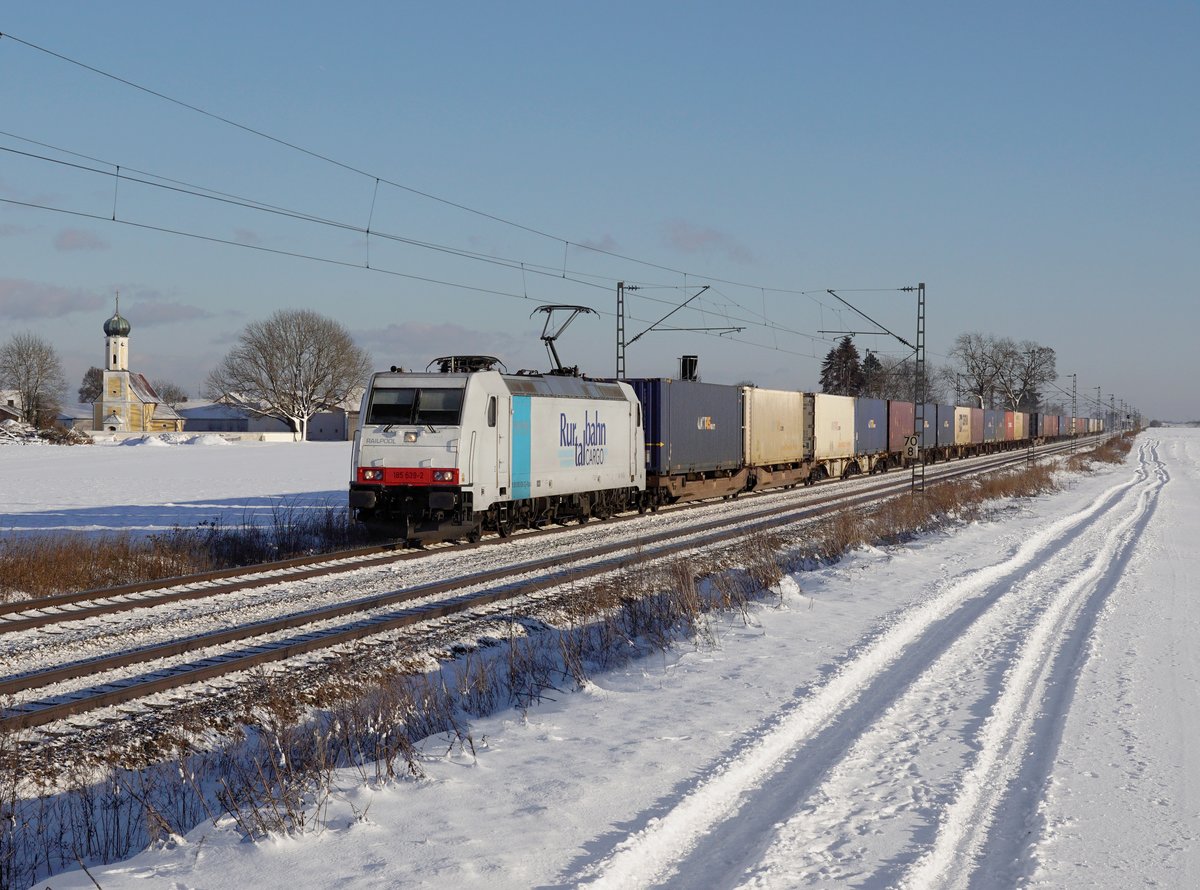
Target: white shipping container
<point x="773" y="432"/>
<point x="833" y="426"/>
<point x="962" y="426"/>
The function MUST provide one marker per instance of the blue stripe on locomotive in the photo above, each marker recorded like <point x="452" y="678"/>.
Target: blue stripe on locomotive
<point x="521" y="444"/>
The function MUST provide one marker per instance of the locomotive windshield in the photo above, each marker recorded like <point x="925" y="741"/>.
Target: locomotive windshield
<point x="415" y="407"/>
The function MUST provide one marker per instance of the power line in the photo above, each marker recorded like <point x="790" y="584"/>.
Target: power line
<point x="123" y="172"/>
<point x="567" y="243"/>
<point x="198" y="191"/>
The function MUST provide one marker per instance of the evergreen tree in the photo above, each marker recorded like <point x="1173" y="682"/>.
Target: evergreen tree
<point x="874" y="378"/>
<point x="841" y="372"/>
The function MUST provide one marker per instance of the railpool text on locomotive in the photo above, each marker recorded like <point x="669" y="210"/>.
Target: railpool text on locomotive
<point x="588" y="443"/>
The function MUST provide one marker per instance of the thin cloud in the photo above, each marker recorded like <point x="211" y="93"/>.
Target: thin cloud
<point x="79" y="239"/>
<point x="606" y="243"/>
<point x="156" y="313"/>
<point x="413" y="344"/>
<point x="10" y="229"/>
<point x="685" y="237"/>
<point x="20" y="299"/>
<point x="248" y="237"/>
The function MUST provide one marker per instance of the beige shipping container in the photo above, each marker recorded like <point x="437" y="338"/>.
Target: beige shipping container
<point x="1020" y="425"/>
<point x="773" y="431"/>
<point x="833" y="426"/>
<point x="962" y="426"/>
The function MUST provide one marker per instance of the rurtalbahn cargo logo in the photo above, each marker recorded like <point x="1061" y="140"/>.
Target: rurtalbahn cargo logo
<point x="587" y="441"/>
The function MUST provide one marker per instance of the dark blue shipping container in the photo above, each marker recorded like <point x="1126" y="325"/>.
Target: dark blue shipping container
<point x="870" y="426"/>
<point x="945" y="425"/>
<point x="690" y="427"/>
<point x="929" y="431"/>
<point x="993" y="425"/>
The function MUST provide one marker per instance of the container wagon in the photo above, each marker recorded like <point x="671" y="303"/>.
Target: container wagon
<point x="694" y="439"/>
<point x="777" y="429"/>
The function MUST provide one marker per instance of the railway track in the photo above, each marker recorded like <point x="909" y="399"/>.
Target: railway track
<point x="103" y="681"/>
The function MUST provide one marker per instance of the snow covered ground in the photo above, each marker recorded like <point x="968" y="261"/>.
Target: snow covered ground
<point x="146" y="485"/>
<point x="1013" y="704"/>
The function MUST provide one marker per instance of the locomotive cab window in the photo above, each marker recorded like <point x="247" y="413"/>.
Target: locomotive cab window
<point x="415" y="407"/>
<point x="491" y="411"/>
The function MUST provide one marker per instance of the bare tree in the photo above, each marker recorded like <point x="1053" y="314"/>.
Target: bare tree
<point x="999" y="372"/>
<point x="894" y="379"/>
<point x="170" y="393"/>
<point x="30" y="365"/>
<point x="977" y="359"/>
<point x="290" y="366"/>
<point x="1027" y="367"/>
<point x="92" y="384"/>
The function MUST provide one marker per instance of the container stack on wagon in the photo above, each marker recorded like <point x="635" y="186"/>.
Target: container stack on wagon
<point x="694" y="438"/>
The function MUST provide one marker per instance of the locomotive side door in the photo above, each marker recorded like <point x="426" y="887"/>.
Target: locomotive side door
<point x="637" y="447"/>
<point x="500" y="417"/>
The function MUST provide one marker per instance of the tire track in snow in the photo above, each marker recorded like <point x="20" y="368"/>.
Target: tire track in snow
<point x="988" y="821"/>
<point x="817" y="730"/>
<point x="883" y="799"/>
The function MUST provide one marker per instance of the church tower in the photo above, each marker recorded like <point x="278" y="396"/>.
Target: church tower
<point x="116" y="343"/>
<point x="128" y="403"/>
<point x="114" y="410"/>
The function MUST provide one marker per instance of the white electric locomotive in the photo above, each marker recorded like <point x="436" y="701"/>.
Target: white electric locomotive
<point x="464" y="447"/>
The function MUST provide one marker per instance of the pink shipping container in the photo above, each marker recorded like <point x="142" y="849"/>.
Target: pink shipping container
<point x="1051" y="423"/>
<point x="900" y="424"/>
<point x="976" y="426"/>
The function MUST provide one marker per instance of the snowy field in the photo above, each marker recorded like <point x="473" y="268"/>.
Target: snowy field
<point x="1013" y="704"/>
<point x="147" y="485"/>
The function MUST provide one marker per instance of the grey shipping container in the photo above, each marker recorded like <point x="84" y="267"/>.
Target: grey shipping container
<point x="690" y="427"/>
<point x="945" y="424"/>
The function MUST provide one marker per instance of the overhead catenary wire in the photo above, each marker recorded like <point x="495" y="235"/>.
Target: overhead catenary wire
<point x="367" y="232"/>
<point x="351" y="168"/>
<point x="157" y="181"/>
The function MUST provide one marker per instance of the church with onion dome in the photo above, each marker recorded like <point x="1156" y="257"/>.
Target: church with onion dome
<point x="128" y="403"/>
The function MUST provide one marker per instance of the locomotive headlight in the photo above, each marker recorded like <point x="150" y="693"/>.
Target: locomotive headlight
<point x="442" y="475"/>
<point x="410" y="436"/>
<point x="372" y="475"/>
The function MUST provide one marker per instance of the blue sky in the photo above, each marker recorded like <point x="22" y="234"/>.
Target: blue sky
<point x="1034" y="164"/>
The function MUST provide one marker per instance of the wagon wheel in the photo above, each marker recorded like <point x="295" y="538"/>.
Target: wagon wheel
<point x="504" y="523"/>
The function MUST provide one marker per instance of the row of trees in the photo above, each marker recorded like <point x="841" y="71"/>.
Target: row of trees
<point x="984" y="370"/>
<point x="290" y="366"/>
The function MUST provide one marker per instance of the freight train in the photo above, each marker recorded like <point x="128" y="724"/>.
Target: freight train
<point x="466" y="447"/>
